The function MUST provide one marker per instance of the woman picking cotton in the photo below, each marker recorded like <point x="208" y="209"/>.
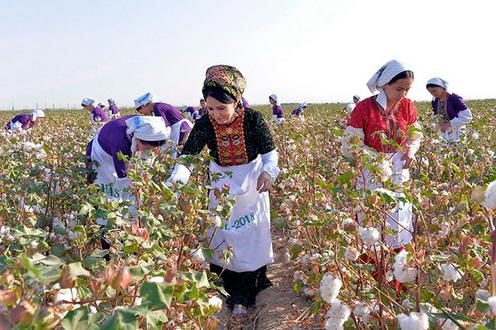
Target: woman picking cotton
<point x="454" y="113"/>
<point x="97" y="114"/>
<point x="390" y="115"/>
<point x="25" y="121"/>
<point x="277" y="110"/>
<point x="245" y="160"/>
<point x="113" y="108"/>
<point x="180" y="127"/>
<point x="129" y="135"/>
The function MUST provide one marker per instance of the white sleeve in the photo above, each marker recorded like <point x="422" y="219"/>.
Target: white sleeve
<point x="269" y="164"/>
<point x="180" y="173"/>
<point x="413" y="141"/>
<point x="16" y="126"/>
<point x="464" y="117"/>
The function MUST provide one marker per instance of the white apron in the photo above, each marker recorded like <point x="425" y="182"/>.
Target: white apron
<point x="115" y="188"/>
<point x="174" y="137"/>
<point x="248" y="228"/>
<point x="400" y="217"/>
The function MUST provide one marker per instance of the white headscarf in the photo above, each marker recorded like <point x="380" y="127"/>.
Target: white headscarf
<point x="89" y="101"/>
<point x="146" y="128"/>
<point x="274" y="97"/>
<point x="303" y="105"/>
<point x="144" y="100"/>
<point x="384" y="75"/>
<point x="111" y="101"/>
<point x="37" y="113"/>
<point x="438" y="82"/>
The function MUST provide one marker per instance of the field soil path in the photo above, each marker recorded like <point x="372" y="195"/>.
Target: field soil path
<point x="278" y="307"/>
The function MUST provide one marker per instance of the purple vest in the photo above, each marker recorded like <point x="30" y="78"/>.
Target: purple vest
<point x="113" y="109"/>
<point x="113" y="139"/>
<point x="99" y="113"/>
<point x="454" y="105"/>
<point x="278" y="111"/>
<point x="23" y="118"/>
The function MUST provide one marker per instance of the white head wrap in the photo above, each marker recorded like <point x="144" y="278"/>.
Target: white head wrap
<point x="350" y="107"/>
<point x="144" y="100"/>
<point x="384" y="75"/>
<point x="37" y="113"/>
<point x="303" y="105"/>
<point x="89" y="101"/>
<point x="356" y="97"/>
<point x="274" y="97"/>
<point x="111" y="101"/>
<point x="146" y="128"/>
<point x="438" y="82"/>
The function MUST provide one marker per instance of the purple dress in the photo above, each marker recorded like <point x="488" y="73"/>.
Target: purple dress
<point x="454" y="105"/>
<point x="170" y="113"/>
<point x="171" y="117"/>
<point x="113" y="109"/>
<point x="98" y="114"/>
<point x="202" y="112"/>
<point x="277" y="111"/>
<point x="24" y="119"/>
<point x="113" y="139"/>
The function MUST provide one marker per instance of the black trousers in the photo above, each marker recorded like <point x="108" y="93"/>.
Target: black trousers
<point x="242" y="287"/>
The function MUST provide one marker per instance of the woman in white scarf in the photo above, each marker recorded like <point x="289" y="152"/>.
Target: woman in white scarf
<point x="390" y="113"/>
<point x="454" y="113"/>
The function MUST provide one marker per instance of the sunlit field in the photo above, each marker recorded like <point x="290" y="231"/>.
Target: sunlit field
<point x="54" y="273"/>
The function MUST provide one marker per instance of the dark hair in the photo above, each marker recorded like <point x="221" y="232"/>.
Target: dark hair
<point x="432" y="85"/>
<point x="401" y="75"/>
<point x="202" y="100"/>
<point x="154" y="143"/>
<point x="219" y="94"/>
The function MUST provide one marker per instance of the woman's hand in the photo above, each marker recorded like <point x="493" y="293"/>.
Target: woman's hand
<point x="445" y="127"/>
<point x="264" y="182"/>
<point x="409" y="159"/>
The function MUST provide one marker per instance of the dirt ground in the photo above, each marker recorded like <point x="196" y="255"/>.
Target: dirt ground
<point x="278" y="307"/>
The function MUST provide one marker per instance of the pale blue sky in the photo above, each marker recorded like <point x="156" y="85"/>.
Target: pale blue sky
<point x="313" y="50"/>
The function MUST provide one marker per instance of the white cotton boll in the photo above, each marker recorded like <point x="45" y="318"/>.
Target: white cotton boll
<point x="425" y="162"/>
<point x="197" y="255"/>
<point x="293" y="241"/>
<point x="363" y="311"/>
<point x="155" y="279"/>
<point x="216" y="302"/>
<point x="351" y="254"/>
<point x="447" y="324"/>
<point x="217" y="221"/>
<point x="490" y="153"/>
<point x="450" y="273"/>
<point x="34" y="244"/>
<point x="406" y="303"/>
<point x="300" y="276"/>
<point x="475" y="135"/>
<point x="66" y="294"/>
<point x="337" y="315"/>
<point x="403" y="273"/>
<point x="490" y="198"/>
<point x="491" y="301"/>
<point x="482" y="294"/>
<point x="385" y="169"/>
<point x="329" y="288"/>
<point x="369" y="235"/>
<point x="389" y="276"/>
<point x="414" y="321"/>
